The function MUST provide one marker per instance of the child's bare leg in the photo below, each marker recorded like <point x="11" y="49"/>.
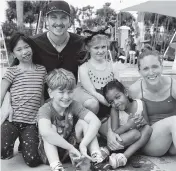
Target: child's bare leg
<point x="80" y="130"/>
<point x="51" y="150"/>
<point x="94" y="149"/>
<point x="119" y="159"/>
<point x="130" y="137"/>
<point x="145" y="135"/>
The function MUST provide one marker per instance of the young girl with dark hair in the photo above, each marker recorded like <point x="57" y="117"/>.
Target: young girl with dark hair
<point x="25" y="82"/>
<point x="128" y="120"/>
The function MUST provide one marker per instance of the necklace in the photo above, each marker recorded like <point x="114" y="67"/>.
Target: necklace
<point x="55" y="44"/>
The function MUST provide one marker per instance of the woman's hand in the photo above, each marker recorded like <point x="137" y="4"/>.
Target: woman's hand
<point x="112" y="142"/>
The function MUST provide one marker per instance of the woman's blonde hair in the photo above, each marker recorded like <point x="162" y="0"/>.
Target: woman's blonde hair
<point x="61" y="79"/>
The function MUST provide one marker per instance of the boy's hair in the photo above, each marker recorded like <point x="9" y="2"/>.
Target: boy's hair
<point x="61" y="79"/>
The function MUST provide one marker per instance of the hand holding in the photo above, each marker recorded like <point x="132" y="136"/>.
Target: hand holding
<point x="112" y="141"/>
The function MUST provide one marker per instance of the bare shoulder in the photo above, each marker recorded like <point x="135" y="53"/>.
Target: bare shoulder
<point x="134" y="90"/>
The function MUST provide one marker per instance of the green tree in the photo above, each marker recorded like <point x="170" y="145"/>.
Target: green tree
<point x="31" y="14"/>
<point x="102" y="15"/>
<point x="8" y="28"/>
<point x="106" y="13"/>
<point x="75" y="14"/>
<point x="86" y="12"/>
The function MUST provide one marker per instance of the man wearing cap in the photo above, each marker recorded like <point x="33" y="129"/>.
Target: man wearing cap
<point x="58" y="48"/>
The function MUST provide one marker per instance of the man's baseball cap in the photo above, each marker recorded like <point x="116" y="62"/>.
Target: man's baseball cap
<point x="58" y="6"/>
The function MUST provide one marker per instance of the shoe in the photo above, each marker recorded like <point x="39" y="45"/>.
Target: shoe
<point x="117" y="160"/>
<point x="59" y="167"/>
<point x="100" y="167"/>
<point x="105" y="152"/>
<point x="97" y="164"/>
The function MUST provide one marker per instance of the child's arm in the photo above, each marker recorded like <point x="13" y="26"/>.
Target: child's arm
<point x="112" y="137"/>
<point x="6" y="109"/>
<point x="124" y="128"/>
<point x="86" y="83"/>
<point x="114" y="119"/>
<point x="4" y="87"/>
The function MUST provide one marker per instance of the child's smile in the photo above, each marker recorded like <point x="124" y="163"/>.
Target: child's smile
<point x="62" y="98"/>
<point x="117" y="99"/>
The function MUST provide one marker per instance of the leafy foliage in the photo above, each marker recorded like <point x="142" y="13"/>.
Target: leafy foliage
<point x="31" y="10"/>
<point x="8" y="28"/>
<point x="106" y="13"/>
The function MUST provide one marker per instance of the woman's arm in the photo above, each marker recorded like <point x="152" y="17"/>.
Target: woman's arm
<point x="51" y="136"/>
<point x="93" y="127"/>
<point x="4" y="87"/>
<point x="86" y="83"/>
